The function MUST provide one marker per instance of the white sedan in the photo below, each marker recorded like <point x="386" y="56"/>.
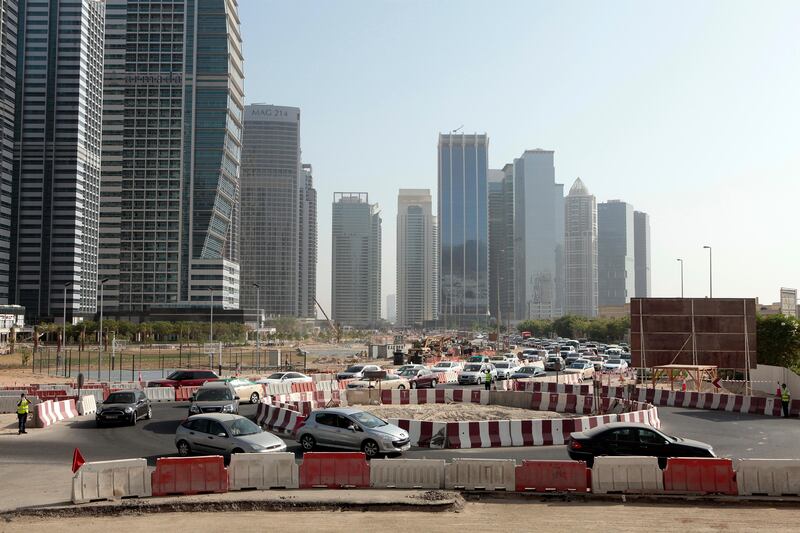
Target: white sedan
<point x="447" y="366"/>
<point x="615" y="365"/>
<point x="585" y="369"/>
<point x="506" y="368"/>
<point x="285" y="377"/>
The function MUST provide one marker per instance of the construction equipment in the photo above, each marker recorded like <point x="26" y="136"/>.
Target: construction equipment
<point x="330" y="323"/>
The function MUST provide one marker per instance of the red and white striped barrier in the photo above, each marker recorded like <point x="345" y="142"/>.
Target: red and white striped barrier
<point x="277" y="419"/>
<point x="421" y="396"/>
<point x="50" y="412"/>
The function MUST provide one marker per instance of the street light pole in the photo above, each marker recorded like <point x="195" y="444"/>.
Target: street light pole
<point x="710" y="286"/>
<point x="100" y="343"/>
<point x="211" y="330"/>
<point x="64" y="326"/>
<point x="681" y="261"/>
<point x="258" y="328"/>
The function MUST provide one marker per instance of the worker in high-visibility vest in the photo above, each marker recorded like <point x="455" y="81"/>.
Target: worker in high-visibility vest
<point x="786" y="399"/>
<point x="23" y="406"/>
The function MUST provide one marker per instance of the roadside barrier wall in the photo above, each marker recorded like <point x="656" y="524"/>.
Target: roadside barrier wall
<point x="407" y="473"/>
<point x="768" y="477"/>
<point x="189" y="475"/>
<point x="277" y="419"/>
<point x="334" y="470"/>
<point x="87" y="405"/>
<point x="160" y="394"/>
<point x="111" y="480"/>
<point x="553" y="476"/>
<point x="263" y="471"/>
<point x="480" y="474"/>
<point x="51" y="412"/>
<point x="700" y="476"/>
<point x="8" y="404"/>
<point x="630" y="475"/>
<point x="184" y="394"/>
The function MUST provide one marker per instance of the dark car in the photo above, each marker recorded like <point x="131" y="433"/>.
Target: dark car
<point x="185" y="378"/>
<point x="420" y="377"/>
<point x="124" y="406"/>
<point x="528" y="372"/>
<point x="623" y="438"/>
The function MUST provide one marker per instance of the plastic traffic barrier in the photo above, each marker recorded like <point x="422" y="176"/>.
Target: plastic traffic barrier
<point x="480" y="474"/>
<point x="304" y="387"/>
<point x="189" y="475"/>
<point x="184" y="394"/>
<point x="263" y="471"/>
<point x="111" y="480"/>
<point x="87" y="405"/>
<point x="768" y="477"/>
<point x="407" y="473"/>
<point x="334" y="470"/>
<point x="553" y="476"/>
<point x="627" y="475"/>
<point x="160" y="394"/>
<point x="700" y="476"/>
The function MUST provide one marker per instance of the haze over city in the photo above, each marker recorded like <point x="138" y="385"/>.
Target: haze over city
<point x="686" y="110"/>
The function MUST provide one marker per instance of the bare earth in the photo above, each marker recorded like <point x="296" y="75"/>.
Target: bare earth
<point x="457" y="412"/>
<point x="511" y="516"/>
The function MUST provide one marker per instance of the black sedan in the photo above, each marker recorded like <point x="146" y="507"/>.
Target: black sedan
<point x="624" y="438"/>
<point x="125" y="406"/>
<point x="528" y="372"/>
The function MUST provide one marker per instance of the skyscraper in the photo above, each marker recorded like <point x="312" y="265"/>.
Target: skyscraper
<point x="307" y="283"/>
<point x="356" y="273"/>
<point x="538" y="236"/>
<point x="416" y="258"/>
<point x="463" y="229"/>
<point x="615" y="259"/>
<point x="641" y="247"/>
<point x="172" y="125"/>
<point x="271" y="181"/>
<point x="501" y="242"/>
<point x="8" y="74"/>
<point x="580" y="251"/>
<point x="391" y="308"/>
<point x="57" y="150"/>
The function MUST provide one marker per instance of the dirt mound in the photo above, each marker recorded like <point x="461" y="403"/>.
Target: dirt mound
<point x="457" y="412"/>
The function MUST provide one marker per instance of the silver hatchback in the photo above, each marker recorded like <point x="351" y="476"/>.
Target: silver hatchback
<point x="352" y="429"/>
<point x="224" y="434"/>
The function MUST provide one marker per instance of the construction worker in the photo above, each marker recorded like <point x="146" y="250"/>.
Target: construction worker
<point x="786" y="399"/>
<point x="22" y="412"/>
<point x="488" y="379"/>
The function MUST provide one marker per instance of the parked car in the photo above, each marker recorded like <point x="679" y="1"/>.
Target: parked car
<point x="475" y="373"/>
<point x="185" y="378"/>
<point x="408" y="367"/>
<point x="126" y="406"/>
<point x="615" y="365"/>
<point x="391" y="381"/>
<point x="352" y="429"/>
<point x="625" y="438"/>
<point x="357" y="371"/>
<point x="447" y="366"/>
<point x="420" y="377"/>
<point x="224" y="434"/>
<point x="218" y="397"/>
<point x="554" y="362"/>
<point x="528" y="372"/>
<point x="285" y="377"/>
<point x="585" y="369"/>
<point x="505" y="369"/>
<point x="478" y="359"/>
<point x="245" y="388"/>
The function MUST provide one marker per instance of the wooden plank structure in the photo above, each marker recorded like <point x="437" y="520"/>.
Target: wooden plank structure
<point x="698" y="373"/>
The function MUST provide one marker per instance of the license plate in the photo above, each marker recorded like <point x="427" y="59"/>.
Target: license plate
<point x="112" y="416"/>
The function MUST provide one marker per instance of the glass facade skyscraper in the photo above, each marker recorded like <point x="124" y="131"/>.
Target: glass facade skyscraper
<point x="615" y="253"/>
<point x="501" y="243"/>
<point x="173" y="101"/>
<point x="57" y="151"/>
<point x="463" y="220"/>
<point x="641" y="259"/>
<point x="416" y="259"/>
<point x="307" y="266"/>
<point x="580" y="251"/>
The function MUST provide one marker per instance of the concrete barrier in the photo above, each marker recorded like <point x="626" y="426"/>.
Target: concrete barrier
<point x="262" y="471"/>
<point x="627" y="475"/>
<point x="407" y="473"/>
<point x="555" y="476"/>
<point x="770" y="477"/>
<point x="160" y="394"/>
<point x="87" y="405"/>
<point x="111" y="480"/>
<point x="9" y="404"/>
<point x="334" y="470"/>
<point x="99" y="394"/>
<point x="480" y="474"/>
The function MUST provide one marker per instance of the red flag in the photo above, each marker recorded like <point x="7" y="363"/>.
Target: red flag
<point x="77" y="460"/>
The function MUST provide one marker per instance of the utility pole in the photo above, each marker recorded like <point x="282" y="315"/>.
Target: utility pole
<point x="710" y="272"/>
<point x="681" y="262"/>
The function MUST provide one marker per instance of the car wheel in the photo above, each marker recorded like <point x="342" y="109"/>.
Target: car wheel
<point x="402" y="387"/>
<point x="183" y="448"/>
<point x="149" y="414"/>
<point x="307" y="442"/>
<point x="370" y="448"/>
<point x="254" y="398"/>
<point x="413" y="385"/>
<point x="134" y="418"/>
<point x="434" y="383"/>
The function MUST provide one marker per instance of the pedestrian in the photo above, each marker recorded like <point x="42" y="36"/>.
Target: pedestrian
<point x="22" y="412"/>
<point x="488" y="379"/>
<point x="786" y="399"/>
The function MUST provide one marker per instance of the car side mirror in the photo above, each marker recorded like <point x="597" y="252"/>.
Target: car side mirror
<point x="352" y="428"/>
<point x="193" y="398"/>
<point x="222" y="435"/>
<point x="236" y="398"/>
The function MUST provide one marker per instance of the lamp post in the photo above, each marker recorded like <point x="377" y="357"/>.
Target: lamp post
<point x="100" y="343"/>
<point x="258" y="328"/>
<point x="64" y="326"/>
<point x="211" y="330"/>
<point x="710" y="286"/>
<point x="681" y="261"/>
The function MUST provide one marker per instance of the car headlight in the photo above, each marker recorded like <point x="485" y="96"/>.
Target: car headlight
<point x="99" y="410"/>
<point x="228" y="408"/>
<point x="194" y="409"/>
<point x="129" y="409"/>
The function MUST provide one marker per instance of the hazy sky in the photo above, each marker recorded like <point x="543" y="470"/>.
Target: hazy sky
<point x="688" y="110"/>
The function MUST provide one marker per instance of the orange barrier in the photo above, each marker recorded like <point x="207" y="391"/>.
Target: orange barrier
<point x="304" y="387"/>
<point x="700" y="476"/>
<point x="189" y="475"/>
<point x="556" y="476"/>
<point x="184" y="394"/>
<point x="334" y="470"/>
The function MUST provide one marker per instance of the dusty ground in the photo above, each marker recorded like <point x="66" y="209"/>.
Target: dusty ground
<point x="511" y="516"/>
<point x="456" y="412"/>
<point x="12" y="377"/>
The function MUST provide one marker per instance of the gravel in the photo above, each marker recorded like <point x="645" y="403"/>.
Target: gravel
<point x="457" y="412"/>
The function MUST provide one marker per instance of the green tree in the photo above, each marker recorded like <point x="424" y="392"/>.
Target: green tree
<point x="778" y="340"/>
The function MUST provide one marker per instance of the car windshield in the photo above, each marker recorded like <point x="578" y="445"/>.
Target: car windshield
<point x="214" y="395"/>
<point x="120" y="397"/>
<point x="614" y="361"/>
<point x="502" y="365"/>
<point x="472" y="368"/>
<point x="576" y="365"/>
<point x="409" y="372"/>
<point x="354" y="369"/>
<point x="368" y="420"/>
<point x="277" y="375"/>
<point x="242" y="426"/>
<point x="174" y="375"/>
<point x="528" y="370"/>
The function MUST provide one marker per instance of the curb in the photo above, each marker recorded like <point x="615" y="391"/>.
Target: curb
<point x="676" y="499"/>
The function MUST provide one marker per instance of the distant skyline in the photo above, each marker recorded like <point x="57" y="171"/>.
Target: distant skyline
<point x="686" y="110"/>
